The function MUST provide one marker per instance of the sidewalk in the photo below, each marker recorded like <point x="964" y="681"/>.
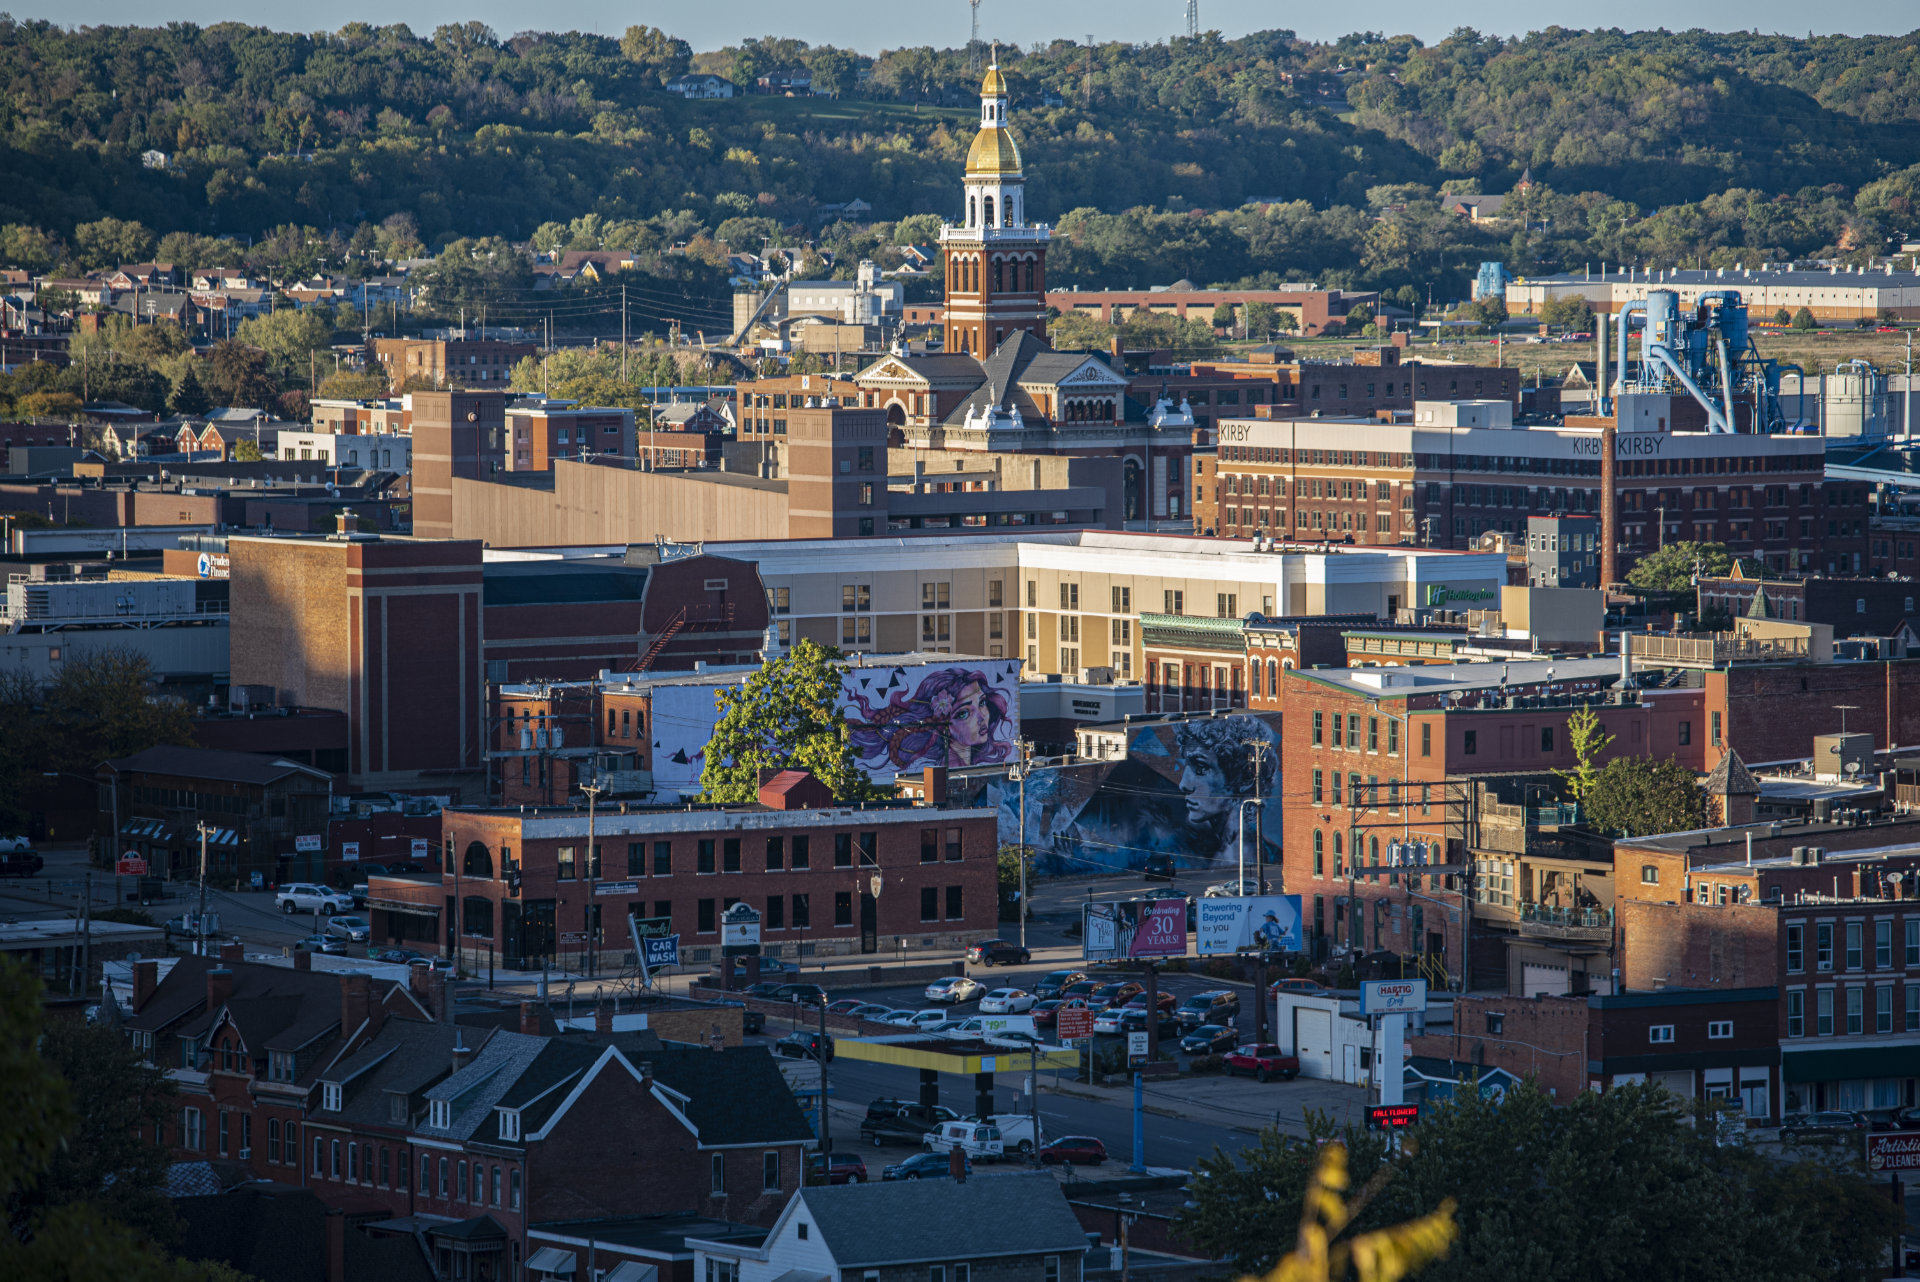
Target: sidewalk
<point x="1233" y="1102"/>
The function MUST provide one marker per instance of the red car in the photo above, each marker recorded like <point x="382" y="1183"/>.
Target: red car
<point x="1166" y="1002"/>
<point x="1264" y="1061"/>
<point x="1296" y="986"/>
<point x="837" y="1168"/>
<point x="1082" y="1150"/>
<point x="1116" y="994"/>
<point x="1047" y="1013"/>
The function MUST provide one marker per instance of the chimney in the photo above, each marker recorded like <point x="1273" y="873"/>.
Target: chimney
<point x="429" y="988"/>
<point x="146" y="978"/>
<point x="462" y="1053"/>
<point x="233" y="952"/>
<point x="529" y="1020"/>
<point x="336" y="1245"/>
<point x="303" y="959"/>
<point x="956" y="1156"/>
<point x="936" y="785"/>
<point x="219" y="987"/>
<point x="356" y="1002"/>
<point x="602" y="1018"/>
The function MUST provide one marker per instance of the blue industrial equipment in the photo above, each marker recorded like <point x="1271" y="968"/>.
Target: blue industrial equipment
<point x="1709" y="354"/>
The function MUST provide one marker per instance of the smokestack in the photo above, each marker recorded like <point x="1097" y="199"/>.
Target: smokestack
<point x="1600" y="353"/>
<point x="1626" y="663"/>
<point x="356" y="1003"/>
<point x="1609" y="505"/>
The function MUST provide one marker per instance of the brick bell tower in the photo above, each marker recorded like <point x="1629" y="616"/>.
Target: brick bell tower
<point x="996" y="260"/>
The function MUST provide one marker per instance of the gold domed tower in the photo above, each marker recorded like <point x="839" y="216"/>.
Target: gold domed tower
<point x="996" y="261"/>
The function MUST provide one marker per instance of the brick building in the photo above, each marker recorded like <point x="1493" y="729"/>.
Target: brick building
<point x="540" y="431"/>
<point x="451" y="361"/>
<point x="811" y="871"/>
<point x="1851" y="607"/>
<point x="1371" y="757"/>
<point x="256" y="809"/>
<point x="456" y="435"/>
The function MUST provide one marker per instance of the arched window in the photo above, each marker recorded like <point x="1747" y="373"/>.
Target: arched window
<point x="1373" y="850"/>
<point x="1273" y="680"/>
<point x="989" y="206"/>
<point x="996" y="276"/>
<point x="1030" y="286"/>
<point x="478" y="861"/>
<point x="1253" y="678"/>
<point x="973" y="212"/>
<point x="1338" y="845"/>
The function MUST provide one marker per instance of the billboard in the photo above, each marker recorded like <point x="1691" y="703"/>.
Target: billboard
<point x="1257" y="923"/>
<point x="1134" y="928"/>
<point x="1393" y="996"/>
<point x="900" y="719"/>
<point x="1177" y="792"/>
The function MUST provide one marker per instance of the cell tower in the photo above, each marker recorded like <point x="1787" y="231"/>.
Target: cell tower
<point x="1193" y="18"/>
<point x="973" y="38"/>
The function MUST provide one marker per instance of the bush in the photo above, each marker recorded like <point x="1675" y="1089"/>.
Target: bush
<point x="1803" y="319"/>
<point x="1207" y="1064"/>
<point x="126" y="916"/>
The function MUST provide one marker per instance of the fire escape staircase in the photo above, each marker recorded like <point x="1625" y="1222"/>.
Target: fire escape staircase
<point x="722" y="616"/>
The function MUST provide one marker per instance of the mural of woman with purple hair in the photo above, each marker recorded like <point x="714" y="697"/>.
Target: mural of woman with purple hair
<point x="960" y="708"/>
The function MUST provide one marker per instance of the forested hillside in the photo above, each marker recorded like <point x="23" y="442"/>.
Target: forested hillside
<point x="1656" y="147"/>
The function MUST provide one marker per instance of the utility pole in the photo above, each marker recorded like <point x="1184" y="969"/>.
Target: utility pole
<point x="820" y="1053"/>
<point x="1906" y="404"/>
<point x="591" y="920"/>
<point x="200" y="926"/>
<point x="1020" y="772"/>
<point x="623" y="333"/>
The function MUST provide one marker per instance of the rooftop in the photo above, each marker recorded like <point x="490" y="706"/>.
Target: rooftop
<point x="1570" y="676"/>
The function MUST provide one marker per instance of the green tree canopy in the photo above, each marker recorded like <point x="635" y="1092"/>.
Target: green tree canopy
<point x="1671" y="568"/>
<point x="786" y="716"/>
<point x="1638" y="796"/>
<point x="1803" y="319"/>
<point x="1595" y="1189"/>
<point x="189" y="398"/>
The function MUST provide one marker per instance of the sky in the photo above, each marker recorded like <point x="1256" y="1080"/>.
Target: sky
<point x="871" y="25"/>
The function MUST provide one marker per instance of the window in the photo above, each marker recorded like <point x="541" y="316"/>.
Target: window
<point x="1319" y="859"/>
<point x="1175" y="601"/>
<point x="843" y="850"/>
<point x="565" y="864"/>
<point x="663" y="858"/>
<point x="843" y="908"/>
<point x="1913" y="1008"/>
<point x="426" y="1173"/>
<point x="1318" y="726"/>
<point x="1823" y="1012"/>
<point x="1913" y="942"/>
<point x="705" y="923"/>
<point x="353" y="1160"/>
<point x="936" y="1273"/>
<point x="496" y="1187"/>
<point x="1719" y="1029"/>
<point x="386" y="1166"/>
<point x="719" y="1166"/>
<point x="776" y="853"/>
<point x="1316" y="787"/>
<point x="509" y="1123"/>
<point x="1546" y="738"/>
<point x="1426" y="739"/>
<point x="330" y="1096"/>
<point x="1123" y="600"/>
<point x="1854" y="933"/>
<point x="1856" y="1009"/>
<point x="1796" y="948"/>
<point x="1660" y="1033"/>
<point x="513" y="1187"/>
<point x="802" y="914"/>
<point x="995" y="598"/>
<point x="273" y="1139"/>
<point x="929" y="903"/>
<point x="1226" y="605"/>
<point x="333" y="1159"/>
<point x="1373" y="734"/>
<point x="1823" y="946"/>
<point x="962" y="1273"/>
<point x="776" y="913"/>
<point x="1393" y="738"/>
<point x="955" y="910"/>
<point x="770" y="1171"/>
<point x="1686" y="733"/>
<point x="1050" y="1269"/>
<point x="703" y="861"/>
<point x="954" y="852"/>
<point x="1339" y="731"/>
<point x="800" y="856"/>
<point x="460" y="1182"/>
<point x="1496" y="1022"/>
<point x="1883" y="1008"/>
<point x="1796" y="1013"/>
<point x="1713" y="728"/>
<point x="1883" y="944"/>
<point x="1470" y="742"/>
<point x="730" y="855"/>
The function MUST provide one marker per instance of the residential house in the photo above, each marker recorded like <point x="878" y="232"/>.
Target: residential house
<point x="698" y="85"/>
<point x="1008" y="1228"/>
<point x="1472" y="206"/>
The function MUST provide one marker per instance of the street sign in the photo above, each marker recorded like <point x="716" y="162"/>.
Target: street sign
<point x="1073" y="1023"/>
<point x="573" y="936"/>
<point x="1893" y="1151"/>
<point x="1393" y="996"/>
<point x="1254" y="923"/>
<point x="130" y="866"/>
<point x="1387" y="1117"/>
<point x="1134" y="928"/>
<point x="662" y="950"/>
<point x="1136" y="1045"/>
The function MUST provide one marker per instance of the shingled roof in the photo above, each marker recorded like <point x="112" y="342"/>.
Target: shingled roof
<point x="1731" y="778"/>
<point x="866" y="1226"/>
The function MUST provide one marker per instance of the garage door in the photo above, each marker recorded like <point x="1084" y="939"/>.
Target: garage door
<point x="1544" y="981"/>
<point x="1313" y="1041"/>
<point x="1680" y="1082"/>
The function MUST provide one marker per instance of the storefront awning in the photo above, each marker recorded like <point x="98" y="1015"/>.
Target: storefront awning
<point x="146" y="830"/>
<point x="550" y="1259"/>
<point x="1843" y="1064"/>
<point x="402" y="906"/>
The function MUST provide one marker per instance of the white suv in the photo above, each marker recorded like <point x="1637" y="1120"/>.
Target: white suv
<point x="305" y="897"/>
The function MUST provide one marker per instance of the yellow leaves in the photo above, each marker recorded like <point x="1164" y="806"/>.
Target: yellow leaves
<point x="1385" y="1255"/>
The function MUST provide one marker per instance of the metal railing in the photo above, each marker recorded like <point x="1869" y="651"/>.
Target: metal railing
<point x="1567" y="918"/>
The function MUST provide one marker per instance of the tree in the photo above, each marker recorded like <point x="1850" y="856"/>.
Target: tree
<point x="1224" y="318"/>
<point x="785" y="717"/>
<point x="189" y="397"/>
<point x="111" y="242"/>
<point x="1527" y="1176"/>
<point x="1490" y="311"/>
<point x="1569" y="313"/>
<point x="240" y="374"/>
<point x="354" y="384"/>
<point x="245" y="451"/>
<point x="1637" y="796"/>
<point x="1671" y="568"/>
<point x="1259" y="318"/>
<point x="1803" y="319"/>
<point x="1588" y="739"/>
<point x="1783" y="317"/>
<point x="660" y="56"/>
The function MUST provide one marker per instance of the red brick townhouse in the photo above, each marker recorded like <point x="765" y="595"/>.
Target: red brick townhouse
<point x="827" y="878"/>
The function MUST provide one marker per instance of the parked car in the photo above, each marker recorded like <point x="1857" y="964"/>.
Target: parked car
<point x="904" y="1018"/>
<point x="998" y="952"/>
<point x="10" y="844"/>
<point x="1264" y="1061"/>
<point x="1831" y="1127"/>
<point x="753" y="1021"/>
<point x="354" y="928"/>
<point x="802" y="1045"/>
<point x="892" y="1121"/>
<point x="21" y="862"/>
<point x="957" y="988"/>
<point x="1165" y="1001"/>
<point x="1118" y="993"/>
<point x="1047" y="1014"/>
<point x="1016" y="1132"/>
<point x="1133" y="1019"/>
<point x="1216" y="1007"/>
<point x="307" y="897"/>
<point x="766" y="989"/>
<point x="837" y="1168"/>
<point x="844" y="1006"/>
<point x="1236" y="889"/>
<point x="870" y="1010"/>
<point x="802" y="994"/>
<point x="975" y="1139"/>
<point x="1007" y="1001"/>
<point x="1208" y="1039"/>
<point x="925" y="1166"/>
<point x="1081" y="1150"/>
<point x="1108" y="1020"/>
<point x="187" y="926"/>
<point x="929" y="1018"/>
<point x="321" y="944"/>
<point x="406" y="868"/>
<point x="1296" y="986"/>
<point x="1158" y="868"/>
<point x="1055" y="983"/>
<point x="399" y="956"/>
<point x="768" y="966"/>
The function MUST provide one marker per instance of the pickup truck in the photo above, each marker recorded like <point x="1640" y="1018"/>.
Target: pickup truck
<point x="909" y="1124"/>
<point x="1263" y="1061"/>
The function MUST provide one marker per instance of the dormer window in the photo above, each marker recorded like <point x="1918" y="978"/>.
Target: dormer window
<point x="330" y="1096"/>
<point x="509" y="1123"/>
<point x="440" y="1113"/>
